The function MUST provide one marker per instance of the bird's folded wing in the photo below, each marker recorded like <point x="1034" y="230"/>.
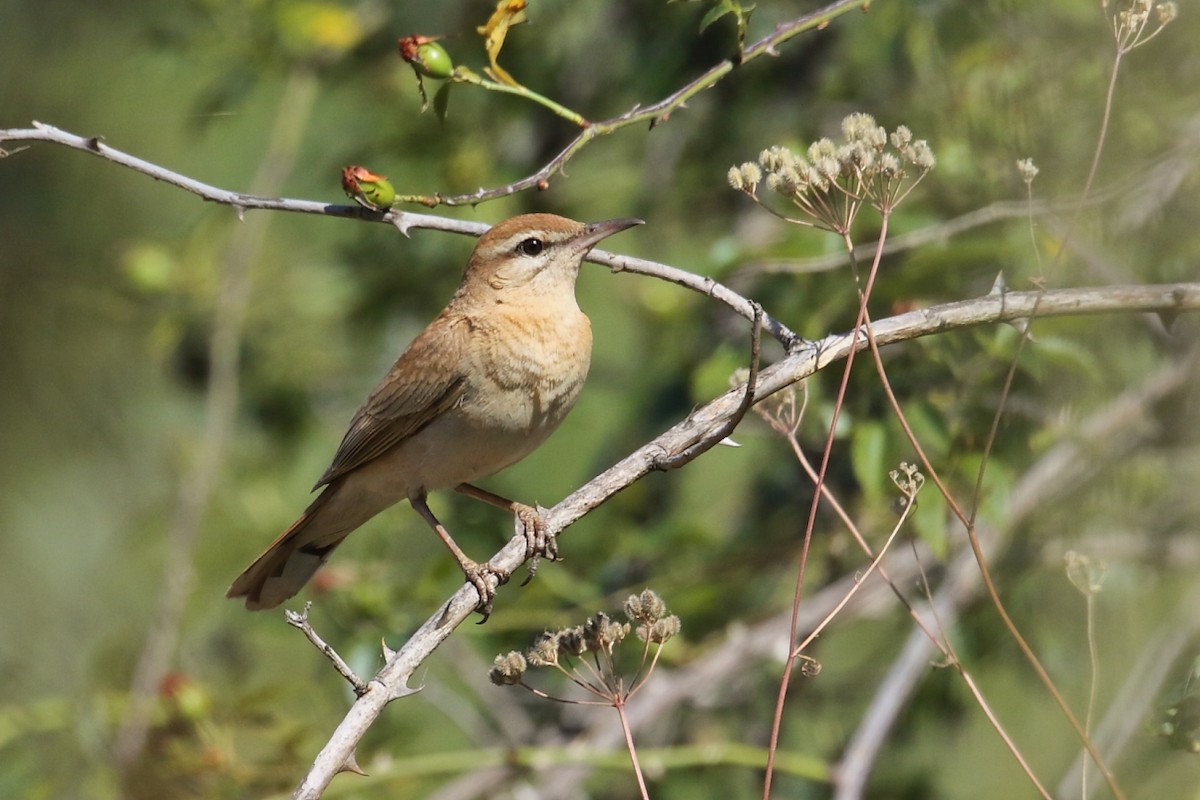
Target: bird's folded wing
<point x="424" y="383"/>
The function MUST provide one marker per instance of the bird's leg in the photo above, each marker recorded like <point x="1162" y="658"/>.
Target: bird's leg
<point x="476" y="573"/>
<point x="539" y="541"/>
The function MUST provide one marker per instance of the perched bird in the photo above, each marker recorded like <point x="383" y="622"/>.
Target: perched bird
<point x="479" y="389"/>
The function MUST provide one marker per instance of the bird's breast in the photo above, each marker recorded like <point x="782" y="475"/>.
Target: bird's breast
<point x="529" y="368"/>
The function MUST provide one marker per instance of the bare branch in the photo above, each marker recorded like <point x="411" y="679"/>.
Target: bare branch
<point x="685" y="457"/>
<point x="404" y="221"/>
<point x="299" y="620"/>
<point x="655" y="113"/>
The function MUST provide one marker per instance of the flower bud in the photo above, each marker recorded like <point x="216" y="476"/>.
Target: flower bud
<point x="368" y="189"/>
<point x="428" y="57"/>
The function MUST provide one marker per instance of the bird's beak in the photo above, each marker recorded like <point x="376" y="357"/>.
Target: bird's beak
<point x="595" y="231"/>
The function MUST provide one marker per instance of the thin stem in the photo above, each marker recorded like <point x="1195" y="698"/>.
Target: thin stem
<point x="973" y="537"/>
<point x="1094" y="684"/>
<point x="928" y="466"/>
<point x="462" y="75"/>
<point x="858" y="581"/>
<point x="655" y="113"/>
<point x="810" y="525"/>
<point x="1104" y="123"/>
<point x="633" y="756"/>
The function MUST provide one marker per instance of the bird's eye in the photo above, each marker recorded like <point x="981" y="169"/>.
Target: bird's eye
<point x="530" y="247"/>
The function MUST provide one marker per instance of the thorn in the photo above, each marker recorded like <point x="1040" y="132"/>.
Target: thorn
<point x="998" y="285"/>
<point x="241" y="213"/>
<point x="404" y="691"/>
<point x="388" y="653"/>
<point x="1021" y="326"/>
<point x="400" y="222"/>
<point x="729" y="442"/>
<point x="1167" y="318"/>
<point x="351" y="765"/>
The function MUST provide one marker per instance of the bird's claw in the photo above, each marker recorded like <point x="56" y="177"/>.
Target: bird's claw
<point x="477" y="575"/>
<point x="539" y="541"/>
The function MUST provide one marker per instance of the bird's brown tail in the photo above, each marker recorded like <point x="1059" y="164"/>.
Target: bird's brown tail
<point x="291" y="560"/>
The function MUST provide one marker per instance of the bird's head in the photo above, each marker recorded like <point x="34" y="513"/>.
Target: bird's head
<point x="535" y="252"/>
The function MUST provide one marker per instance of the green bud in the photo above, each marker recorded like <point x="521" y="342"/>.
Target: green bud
<point x="434" y="61"/>
<point x="428" y="57"/>
<point x="368" y="189"/>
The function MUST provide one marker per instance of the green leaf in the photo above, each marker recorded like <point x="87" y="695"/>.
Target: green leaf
<point x="741" y="15"/>
<point x="868" y="452"/>
<point x="441" y="101"/>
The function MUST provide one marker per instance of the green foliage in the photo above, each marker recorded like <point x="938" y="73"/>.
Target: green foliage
<point x="722" y="8"/>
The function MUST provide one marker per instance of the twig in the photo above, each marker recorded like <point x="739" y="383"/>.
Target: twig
<point x="404" y="221"/>
<point x="240" y="202"/>
<point x="655" y="113"/>
<point x="669" y="461"/>
<point x="299" y="619"/>
<point x="936" y="233"/>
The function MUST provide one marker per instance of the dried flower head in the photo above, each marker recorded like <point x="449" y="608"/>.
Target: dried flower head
<point x="908" y="479"/>
<point x="603" y="634"/>
<point x="831" y="181"/>
<point x="1027" y="169"/>
<point x="508" y="669"/>
<point x="572" y="642"/>
<point x="1085" y="574"/>
<point x="1131" y="25"/>
<point x="861" y="128"/>
<point x="659" y="631"/>
<point x="544" y="651"/>
<point x="645" y="607"/>
<point x="809" y="666"/>
<point x="745" y="178"/>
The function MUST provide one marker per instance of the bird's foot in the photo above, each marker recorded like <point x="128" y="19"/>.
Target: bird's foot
<point x="477" y="575"/>
<point x="539" y="541"/>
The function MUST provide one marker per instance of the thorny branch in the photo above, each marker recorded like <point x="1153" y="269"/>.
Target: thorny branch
<point x="391" y="681"/>
<point x="655" y="113"/>
<point x="404" y="221"/>
<point x="299" y="620"/>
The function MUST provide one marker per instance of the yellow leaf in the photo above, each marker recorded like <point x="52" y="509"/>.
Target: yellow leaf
<point x="507" y="14"/>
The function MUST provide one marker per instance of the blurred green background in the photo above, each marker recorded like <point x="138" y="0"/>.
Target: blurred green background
<point x="111" y="288"/>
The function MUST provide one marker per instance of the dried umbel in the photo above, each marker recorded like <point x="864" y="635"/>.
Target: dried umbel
<point x="587" y="653"/>
<point x="832" y="180"/>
